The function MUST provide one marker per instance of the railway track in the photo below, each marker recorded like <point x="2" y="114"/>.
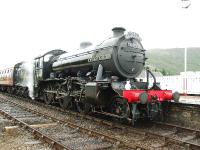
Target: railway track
<point x="54" y="135"/>
<point x="59" y="134"/>
<point x="171" y="133"/>
<point x="155" y="135"/>
<point x="13" y="137"/>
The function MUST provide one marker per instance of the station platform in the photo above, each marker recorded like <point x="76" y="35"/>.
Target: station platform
<point x="190" y="99"/>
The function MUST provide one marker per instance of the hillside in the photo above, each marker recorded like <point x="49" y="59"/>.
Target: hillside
<point x="172" y="60"/>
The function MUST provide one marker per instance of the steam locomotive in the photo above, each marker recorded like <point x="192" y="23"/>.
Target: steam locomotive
<point x="99" y="79"/>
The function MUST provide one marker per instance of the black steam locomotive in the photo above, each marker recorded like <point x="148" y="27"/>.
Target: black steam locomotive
<point x="100" y="79"/>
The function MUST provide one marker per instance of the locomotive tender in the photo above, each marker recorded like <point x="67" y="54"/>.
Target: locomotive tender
<point x="100" y="79"/>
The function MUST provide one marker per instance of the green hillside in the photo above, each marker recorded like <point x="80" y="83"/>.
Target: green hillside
<point x="172" y="60"/>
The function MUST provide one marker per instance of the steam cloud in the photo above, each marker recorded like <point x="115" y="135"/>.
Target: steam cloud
<point x="29" y="78"/>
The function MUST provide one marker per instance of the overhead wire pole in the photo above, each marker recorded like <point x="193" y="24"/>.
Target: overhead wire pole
<point x="185" y="62"/>
<point x="185" y="70"/>
<point x="185" y="5"/>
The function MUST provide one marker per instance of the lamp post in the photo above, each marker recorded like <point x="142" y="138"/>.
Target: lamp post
<point x="185" y="70"/>
<point x="185" y="5"/>
<point x="185" y="60"/>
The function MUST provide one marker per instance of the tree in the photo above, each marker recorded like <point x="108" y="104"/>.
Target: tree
<point x="163" y="71"/>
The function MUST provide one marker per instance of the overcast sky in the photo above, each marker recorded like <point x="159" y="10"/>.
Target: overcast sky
<point x="32" y="27"/>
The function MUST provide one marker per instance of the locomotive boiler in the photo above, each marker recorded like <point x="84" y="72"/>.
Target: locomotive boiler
<point x="121" y="55"/>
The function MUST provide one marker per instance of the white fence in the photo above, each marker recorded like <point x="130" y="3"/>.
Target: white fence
<point x="185" y="84"/>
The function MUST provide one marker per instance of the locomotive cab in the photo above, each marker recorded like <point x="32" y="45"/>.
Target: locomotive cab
<point x="43" y="64"/>
<point x="43" y="68"/>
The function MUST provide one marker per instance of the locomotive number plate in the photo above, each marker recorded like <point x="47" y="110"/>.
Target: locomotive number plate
<point x="99" y="57"/>
<point x="133" y="45"/>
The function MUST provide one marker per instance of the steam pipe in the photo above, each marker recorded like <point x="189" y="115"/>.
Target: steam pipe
<point x="154" y="78"/>
<point x="147" y="78"/>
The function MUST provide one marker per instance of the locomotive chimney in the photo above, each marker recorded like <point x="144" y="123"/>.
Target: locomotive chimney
<point x="118" y="31"/>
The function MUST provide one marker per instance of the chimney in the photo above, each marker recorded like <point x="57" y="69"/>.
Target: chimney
<point x="118" y="31"/>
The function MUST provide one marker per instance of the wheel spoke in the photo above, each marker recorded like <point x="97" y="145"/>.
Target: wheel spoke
<point x="66" y="102"/>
